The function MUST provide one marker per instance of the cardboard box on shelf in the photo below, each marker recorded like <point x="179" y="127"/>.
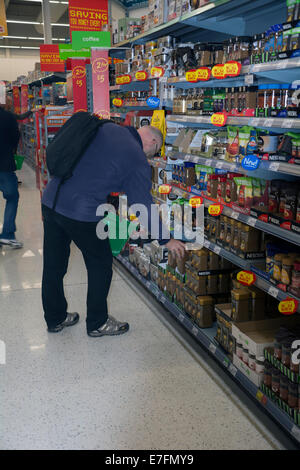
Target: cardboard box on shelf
<point x="258" y="335"/>
<point x="249" y="373"/>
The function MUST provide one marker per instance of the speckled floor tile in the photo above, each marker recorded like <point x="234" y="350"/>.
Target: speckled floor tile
<point x="142" y="390"/>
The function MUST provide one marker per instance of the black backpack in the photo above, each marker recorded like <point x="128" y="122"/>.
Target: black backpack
<point x="69" y="144"/>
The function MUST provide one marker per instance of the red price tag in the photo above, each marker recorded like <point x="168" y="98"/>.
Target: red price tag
<point x="123" y="79"/>
<point x="191" y="76"/>
<point x="215" y="209"/>
<point x="117" y="102"/>
<point x="141" y="75"/>
<point x="219" y="119"/>
<point x="165" y="189"/>
<point x="203" y="74"/>
<point x="233" y="68"/>
<point x="288" y="306"/>
<point x="247" y="278"/>
<point x="196" y="201"/>
<point x="218" y="71"/>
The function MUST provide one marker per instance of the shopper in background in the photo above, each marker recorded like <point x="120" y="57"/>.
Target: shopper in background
<point x="9" y="138"/>
<point x="114" y="162"/>
<point x="9" y="107"/>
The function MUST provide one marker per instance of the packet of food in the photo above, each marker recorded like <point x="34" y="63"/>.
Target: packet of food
<point x="244" y="137"/>
<point x="232" y="150"/>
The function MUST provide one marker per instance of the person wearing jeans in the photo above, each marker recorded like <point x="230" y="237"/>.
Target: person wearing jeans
<point x="115" y="161"/>
<point x="9" y="139"/>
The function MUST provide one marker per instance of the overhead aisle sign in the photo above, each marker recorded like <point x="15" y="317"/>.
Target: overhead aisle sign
<point x="50" y="59"/>
<point x="88" y="15"/>
<point x="24" y="98"/>
<point x="16" y="100"/>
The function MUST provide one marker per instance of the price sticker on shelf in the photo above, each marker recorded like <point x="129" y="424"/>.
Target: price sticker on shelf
<point x="251" y="221"/>
<point x="261" y="397"/>
<point x="234" y="215"/>
<point x="274" y="166"/>
<point x="217" y="249"/>
<point x="296" y="432"/>
<point x="163" y="299"/>
<point x="212" y="348"/>
<point x="141" y="75"/>
<point x="148" y="284"/>
<point x="181" y="317"/>
<point x="191" y="76"/>
<point x="219" y="165"/>
<point x="249" y="79"/>
<point x="247" y="278"/>
<point x="206" y="244"/>
<point x="288" y="306"/>
<point x="195" y="331"/>
<point x="208" y="162"/>
<point x="203" y="74"/>
<point x="288" y="123"/>
<point x="219" y="119"/>
<point x="273" y="292"/>
<point x="232" y="369"/>
<point x="215" y="209"/>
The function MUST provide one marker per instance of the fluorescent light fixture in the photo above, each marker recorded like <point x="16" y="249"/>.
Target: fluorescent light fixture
<point x="11" y="47"/>
<point x="25" y="47"/>
<point x="23" y="22"/>
<point x="60" y="24"/>
<point x="15" y="37"/>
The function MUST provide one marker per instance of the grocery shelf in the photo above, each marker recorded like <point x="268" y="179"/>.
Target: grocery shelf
<point x="273" y="166"/>
<point x="223" y="17"/>
<point x="234" y="259"/>
<point x="159" y="163"/>
<point x="287" y="235"/>
<point x="278" y="123"/>
<point x="205" y="337"/>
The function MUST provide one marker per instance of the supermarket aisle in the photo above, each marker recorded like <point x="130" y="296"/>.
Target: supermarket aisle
<point x="142" y="390"/>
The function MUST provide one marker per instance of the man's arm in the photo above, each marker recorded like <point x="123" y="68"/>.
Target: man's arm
<point x="21" y="117"/>
<point x="13" y="131"/>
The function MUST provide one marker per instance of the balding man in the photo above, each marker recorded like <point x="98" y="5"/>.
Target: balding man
<point x="115" y="161"/>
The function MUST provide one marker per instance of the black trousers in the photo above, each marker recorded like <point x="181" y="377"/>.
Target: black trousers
<point x="59" y="231"/>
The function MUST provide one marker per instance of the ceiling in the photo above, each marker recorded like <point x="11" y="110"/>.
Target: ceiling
<point x="32" y="35"/>
<point x="23" y="11"/>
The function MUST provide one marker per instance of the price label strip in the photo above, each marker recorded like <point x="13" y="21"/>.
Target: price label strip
<point x="274" y="166"/>
<point x="195" y="331"/>
<point x="217" y="249"/>
<point x="233" y="370"/>
<point x="251" y="221"/>
<point x="181" y="317"/>
<point x="273" y="292"/>
<point x="212" y="348"/>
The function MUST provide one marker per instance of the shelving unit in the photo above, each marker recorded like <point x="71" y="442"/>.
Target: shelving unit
<point x="216" y="22"/>
<point x="206" y="338"/>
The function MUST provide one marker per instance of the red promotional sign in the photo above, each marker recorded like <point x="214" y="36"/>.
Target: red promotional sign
<point x="218" y="71"/>
<point x="141" y="75"/>
<point x="79" y="85"/>
<point x="203" y="74"/>
<point x="50" y="60"/>
<point x="219" y="119"/>
<point x="16" y="100"/>
<point x="157" y="72"/>
<point x="215" y="209"/>
<point x="87" y="15"/>
<point x="24" y="98"/>
<point x="117" y="102"/>
<point x="100" y="83"/>
<point x="191" y="76"/>
<point x="123" y="79"/>
<point x="288" y="306"/>
<point x="247" y="278"/>
<point x="233" y="68"/>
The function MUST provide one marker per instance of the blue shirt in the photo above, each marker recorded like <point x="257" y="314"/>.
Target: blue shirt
<point x="114" y="162"/>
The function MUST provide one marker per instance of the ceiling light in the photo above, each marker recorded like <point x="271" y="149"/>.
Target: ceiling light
<point x="25" y="47"/>
<point x="11" y="47"/>
<point x="23" y="22"/>
<point x="60" y="24"/>
<point x="15" y="37"/>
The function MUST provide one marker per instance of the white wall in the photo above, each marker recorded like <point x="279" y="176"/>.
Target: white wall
<point x="117" y="12"/>
<point x="19" y="63"/>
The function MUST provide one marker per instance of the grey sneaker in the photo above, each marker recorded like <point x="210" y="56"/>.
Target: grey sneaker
<point x="13" y="243"/>
<point x="112" y="327"/>
<point x="72" y="319"/>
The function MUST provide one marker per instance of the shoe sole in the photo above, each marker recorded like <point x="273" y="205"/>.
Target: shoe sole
<point x="13" y="247"/>
<point x="62" y="327"/>
<point x="109" y="334"/>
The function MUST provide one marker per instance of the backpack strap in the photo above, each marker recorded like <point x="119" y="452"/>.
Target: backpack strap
<point x="63" y="180"/>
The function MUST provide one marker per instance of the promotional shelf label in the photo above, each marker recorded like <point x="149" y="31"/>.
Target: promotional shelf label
<point x="247" y="278"/>
<point x="218" y="71"/>
<point x="141" y="75"/>
<point x="219" y="119"/>
<point x="191" y="76"/>
<point x="123" y="80"/>
<point x="100" y="80"/>
<point x="215" y="209"/>
<point x="288" y="306"/>
<point x="250" y="162"/>
<point x="157" y="72"/>
<point x="233" y="68"/>
<point x="79" y="84"/>
<point x="118" y="102"/>
<point x="196" y="201"/>
<point x="153" y="102"/>
<point x="203" y="74"/>
<point x="165" y="189"/>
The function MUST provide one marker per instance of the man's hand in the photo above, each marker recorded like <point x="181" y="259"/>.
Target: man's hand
<point x="177" y="247"/>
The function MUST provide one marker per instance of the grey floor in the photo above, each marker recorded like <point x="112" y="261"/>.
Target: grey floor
<point x="143" y="390"/>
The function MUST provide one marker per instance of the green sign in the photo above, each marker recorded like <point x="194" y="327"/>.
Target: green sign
<point x="67" y="51"/>
<point x="88" y="39"/>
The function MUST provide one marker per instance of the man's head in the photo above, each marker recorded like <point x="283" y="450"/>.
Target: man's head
<point x="152" y="140"/>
